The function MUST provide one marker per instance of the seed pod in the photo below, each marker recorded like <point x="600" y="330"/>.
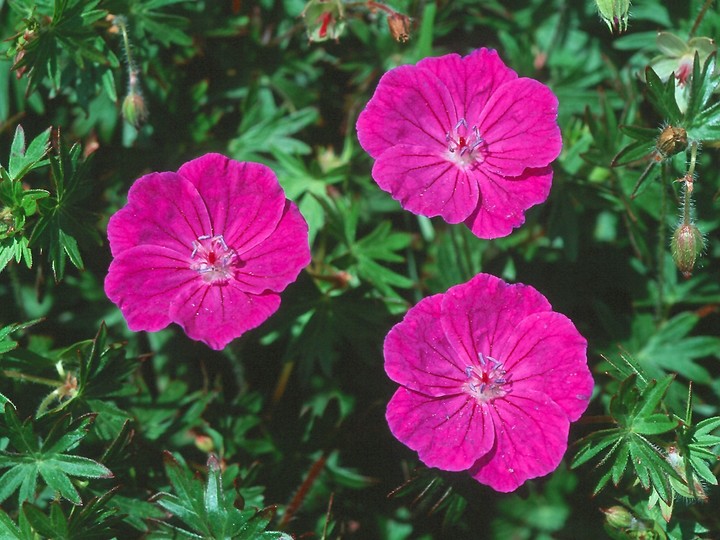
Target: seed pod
<point x="672" y="140"/>
<point x="399" y="25"/>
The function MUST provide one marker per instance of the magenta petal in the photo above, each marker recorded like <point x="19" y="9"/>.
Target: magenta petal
<point x="410" y="106"/>
<point x="275" y="263"/>
<point x="530" y="440"/>
<point x="245" y="200"/>
<point x="163" y="209"/>
<point x="143" y="281"/>
<point x="519" y="125"/>
<point x="503" y="201"/>
<point x="419" y="356"/>
<point x="471" y="80"/>
<point x="545" y="352"/>
<point x="448" y="433"/>
<point x="216" y="314"/>
<point x="426" y="183"/>
<point x="481" y="314"/>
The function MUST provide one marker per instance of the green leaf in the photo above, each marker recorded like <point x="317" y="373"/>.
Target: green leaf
<point x="63" y="217"/>
<point x="631" y="442"/>
<point x="207" y="511"/>
<point x="6" y="344"/>
<point x="638" y="150"/>
<point x="671" y="350"/>
<point x="662" y="97"/>
<point x="8" y="529"/>
<point x="23" y="161"/>
<point x="41" y="523"/>
<point x="46" y="459"/>
<point x="56" y="479"/>
<point x="654" y="424"/>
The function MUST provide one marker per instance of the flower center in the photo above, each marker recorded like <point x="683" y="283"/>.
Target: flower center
<point x="463" y="142"/>
<point x="212" y="259"/>
<point x="487" y="380"/>
<point x="684" y="72"/>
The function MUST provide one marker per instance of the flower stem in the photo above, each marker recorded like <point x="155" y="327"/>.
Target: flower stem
<point x="687" y="184"/>
<point x="302" y="491"/>
<point x="282" y="382"/>
<point x="457" y="248"/>
<point x="29" y="378"/>
<point x="700" y="17"/>
<point x="122" y="25"/>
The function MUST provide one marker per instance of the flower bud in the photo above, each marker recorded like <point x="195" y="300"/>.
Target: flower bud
<point x="672" y="140"/>
<point x="614" y="13"/>
<point x="204" y="443"/>
<point x="686" y="246"/>
<point x="323" y="19"/>
<point x="134" y="109"/>
<point x="399" y="25"/>
<point x="7" y="222"/>
<point x="618" y="517"/>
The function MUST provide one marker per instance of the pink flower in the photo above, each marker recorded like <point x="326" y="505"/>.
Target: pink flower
<point x="209" y="248"/>
<point x="490" y="379"/>
<point x="463" y="138"/>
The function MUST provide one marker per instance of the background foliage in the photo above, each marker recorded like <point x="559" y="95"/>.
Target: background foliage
<point x="105" y="433"/>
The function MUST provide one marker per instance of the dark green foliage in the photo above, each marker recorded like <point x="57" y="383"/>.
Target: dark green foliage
<point x="108" y="433"/>
<point x="31" y="459"/>
<point x="207" y="510"/>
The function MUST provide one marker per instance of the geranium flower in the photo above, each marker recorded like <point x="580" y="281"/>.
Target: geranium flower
<point x="463" y="138"/>
<point x="209" y="248"/>
<point x="490" y="379"/>
<point x="676" y="60"/>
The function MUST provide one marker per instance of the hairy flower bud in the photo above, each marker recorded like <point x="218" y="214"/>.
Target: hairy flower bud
<point x="614" y="13"/>
<point x="134" y="109"/>
<point x="618" y="517"/>
<point x="686" y="246"/>
<point x="399" y="25"/>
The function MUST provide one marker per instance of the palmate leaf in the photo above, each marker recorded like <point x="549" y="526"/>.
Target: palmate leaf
<point x="702" y="117"/>
<point x="57" y="33"/>
<point x="63" y="217"/>
<point x="17" y="202"/>
<point x="95" y="520"/>
<point x="104" y="369"/>
<point x="163" y="27"/>
<point x="206" y="510"/>
<point x="47" y="460"/>
<point x="363" y="256"/>
<point x="86" y="373"/>
<point x="633" y="444"/>
<point x="322" y="326"/>
<point x="670" y="349"/>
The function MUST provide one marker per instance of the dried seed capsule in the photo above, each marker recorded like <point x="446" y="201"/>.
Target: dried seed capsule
<point x="399" y="25"/>
<point x="672" y="140"/>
